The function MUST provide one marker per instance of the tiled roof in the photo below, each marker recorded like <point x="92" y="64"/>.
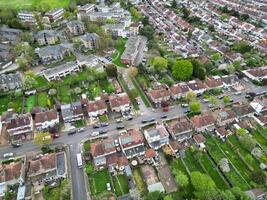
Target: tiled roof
<point x="160" y="93"/>
<point x="119" y="100"/>
<point x="132" y="138"/>
<point x="42" y="164"/>
<point x="93" y="106"/>
<point x="202" y="120"/>
<point x="179" y="125"/>
<point x="199" y="138"/>
<point x="45" y="116"/>
<point x="19" y="121"/>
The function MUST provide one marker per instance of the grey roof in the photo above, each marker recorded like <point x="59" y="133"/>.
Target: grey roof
<point x="114" y="26"/>
<point x="54" y="50"/>
<point x="153" y="133"/>
<point x="75" y="23"/>
<point x="48" y="33"/>
<point x="66" y="110"/>
<point x="52" y="12"/>
<point x="60" y="68"/>
<point x="61" y="169"/>
<point x="6" y="29"/>
<point x="10" y="78"/>
<point x="89" y="36"/>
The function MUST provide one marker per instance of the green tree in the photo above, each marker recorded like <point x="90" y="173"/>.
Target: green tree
<point x="43" y="139"/>
<point x="29" y="81"/>
<point x="248" y="142"/>
<point x="216" y="57"/>
<point x="182" y="70"/>
<point x="226" y="99"/>
<point x="174" y="4"/>
<point x="230" y="69"/>
<point x="160" y="63"/>
<point x="168" y="197"/>
<point x="237" y="65"/>
<point x="132" y="71"/>
<point x="195" y="107"/>
<point x="112" y="70"/>
<point x="190" y="96"/>
<point x="204" y="186"/>
<point x="145" y="21"/>
<point x="181" y="179"/>
<point x="136" y="15"/>
<point x="242" y="47"/>
<point x="239" y="194"/>
<point x="148" y="32"/>
<point x="213" y="100"/>
<point x="157" y="195"/>
<point x="241" y="132"/>
<point x="259" y="177"/>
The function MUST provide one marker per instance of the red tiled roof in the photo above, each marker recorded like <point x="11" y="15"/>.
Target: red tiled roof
<point x="93" y="106"/>
<point x="132" y="138"/>
<point x="45" y="116"/>
<point x="42" y="164"/>
<point x="119" y="100"/>
<point x="150" y="153"/>
<point x="160" y="93"/>
<point x="21" y="120"/>
<point x="202" y="120"/>
<point x="199" y="138"/>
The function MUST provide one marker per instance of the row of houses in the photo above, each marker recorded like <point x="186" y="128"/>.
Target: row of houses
<point x="179" y="90"/>
<point x="32" y="173"/>
<point x="21" y="126"/>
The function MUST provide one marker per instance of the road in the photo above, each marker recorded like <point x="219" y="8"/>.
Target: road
<point x="74" y="141"/>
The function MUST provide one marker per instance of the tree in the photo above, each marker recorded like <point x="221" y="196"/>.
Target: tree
<point x="185" y="12"/>
<point x="259" y="177"/>
<point x="241" y="132"/>
<point x="199" y="70"/>
<point x="237" y="65"/>
<point x="181" y="179"/>
<point x="226" y="99"/>
<point x="157" y="195"/>
<point x="195" y="107"/>
<point x="112" y="70"/>
<point x="242" y="47"/>
<point x="182" y="70"/>
<point x="248" y="142"/>
<point x="204" y="186"/>
<point x="29" y="81"/>
<point x="239" y="194"/>
<point x="213" y="100"/>
<point x="145" y="21"/>
<point x="160" y="63"/>
<point x="43" y="139"/>
<point x="190" y="96"/>
<point x="211" y="28"/>
<point x="148" y="32"/>
<point x="168" y="197"/>
<point x="132" y="71"/>
<point x="136" y="15"/>
<point x="174" y="4"/>
<point x="216" y="57"/>
<point x="230" y="69"/>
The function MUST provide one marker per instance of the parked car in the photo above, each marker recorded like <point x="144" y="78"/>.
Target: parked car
<point x="205" y="100"/>
<point x="8" y="155"/>
<point x="210" y="106"/>
<point x="151" y="120"/>
<point x="16" y="144"/>
<point x="55" y="135"/>
<point x="104" y="124"/>
<point x="95" y="126"/>
<point x="119" y="120"/>
<point x="238" y="93"/>
<point x="129" y="118"/>
<point x="81" y="130"/>
<point x="186" y="110"/>
<point x="103" y="132"/>
<point x="95" y="133"/>
<point x="108" y="187"/>
<point x="72" y="132"/>
<point x="120" y="127"/>
<point x="144" y="121"/>
<point x="163" y="117"/>
<point x="184" y="105"/>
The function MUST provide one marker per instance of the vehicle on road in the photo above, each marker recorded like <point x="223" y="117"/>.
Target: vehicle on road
<point x="72" y="132"/>
<point x="184" y="105"/>
<point x="55" y="135"/>
<point x="231" y="100"/>
<point x="104" y="124"/>
<point x="120" y="127"/>
<point x="151" y="120"/>
<point x="8" y="155"/>
<point x="144" y="121"/>
<point x="129" y="118"/>
<point x="81" y="130"/>
<point x="79" y="160"/>
<point x="210" y="106"/>
<point x="238" y="93"/>
<point x="95" y="133"/>
<point x="163" y="117"/>
<point x="205" y="100"/>
<point x="95" y="126"/>
<point x="103" y="132"/>
<point x="119" y="120"/>
<point x="186" y="110"/>
<point x="16" y="144"/>
<point x="220" y="97"/>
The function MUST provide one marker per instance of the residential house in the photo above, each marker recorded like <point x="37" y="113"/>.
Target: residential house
<point x="10" y="174"/>
<point x="256" y="194"/>
<point x="46" y="37"/>
<point x="134" y="49"/>
<point x="203" y="122"/>
<point x="20" y="127"/>
<point x="261" y="120"/>
<point x="180" y="128"/>
<point x="197" y="86"/>
<point x="116" y="161"/>
<point x="55" y="15"/>
<point x="159" y="95"/>
<point x="225" y="116"/>
<point x="51" y="54"/>
<point x="151" y="156"/>
<point x="119" y="102"/>
<point x="243" y="110"/>
<point x="76" y="27"/>
<point x="222" y="133"/>
<point x="116" y="30"/>
<point x="101" y="149"/>
<point x="157" y="136"/>
<point x="259" y="104"/>
<point x="230" y="80"/>
<point x="179" y="90"/>
<point x="46" y="119"/>
<point x="96" y="108"/>
<point x="10" y="35"/>
<point x="72" y="112"/>
<point x="27" y="17"/>
<point x="42" y="168"/>
<point x="199" y="140"/>
<point x="85" y="9"/>
<point x="176" y="146"/>
<point x="90" y="40"/>
<point x="132" y="143"/>
<point x="7" y="116"/>
<point x="214" y="82"/>
<point x="10" y="82"/>
<point x="61" y="71"/>
<point x="256" y="74"/>
<point x="6" y="52"/>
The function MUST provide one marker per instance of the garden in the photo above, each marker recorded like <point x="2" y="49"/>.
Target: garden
<point x="98" y="181"/>
<point x="120" y="47"/>
<point x="30" y="102"/>
<point x="120" y="184"/>
<point x="140" y="184"/>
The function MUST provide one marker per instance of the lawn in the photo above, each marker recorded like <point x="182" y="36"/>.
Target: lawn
<point x="212" y="172"/>
<point x="141" y="93"/>
<point x="42" y="99"/>
<point x="98" y="181"/>
<point x="17" y="104"/>
<point x="120" y="47"/>
<point x="28" y="4"/>
<point x="79" y="123"/>
<point x="107" y="86"/>
<point x="41" y="81"/>
<point x="232" y="175"/>
<point x="4" y="100"/>
<point x="30" y="103"/>
<point x="140" y="184"/>
<point x="191" y="162"/>
<point x="260" y="138"/>
<point x="120" y="185"/>
<point x="64" y="94"/>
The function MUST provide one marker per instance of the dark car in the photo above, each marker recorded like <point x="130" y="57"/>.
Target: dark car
<point x="71" y="132"/>
<point x="151" y="120"/>
<point x="102" y="131"/>
<point x="96" y="126"/>
<point x="120" y="127"/>
<point x="186" y="110"/>
<point x="144" y="121"/>
<point x="163" y="117"/>
<point x="130" y="118"/>
<point x="16" y="144"/>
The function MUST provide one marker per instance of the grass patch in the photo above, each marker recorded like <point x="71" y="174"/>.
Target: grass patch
<point x="42" y="99"/>
<point x="4" y="100"/>
<point x="87" y="145"/>
<point x="30" y="103"/>
<point x="120" y="185"/>
<point x="141" y="93"/>
<point x="63" y="94"/>
<point x="98" y="181"/>
<point x="140" y="184"/>
<point x="103" y="118"/>
<point x="259" y="137"/>
<point x="191" y="162"/>
<point x="41" y="82"/>
<point x="17" y="104"/>
<point x="79" y="123"/>
<point x="120" y="47"/>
